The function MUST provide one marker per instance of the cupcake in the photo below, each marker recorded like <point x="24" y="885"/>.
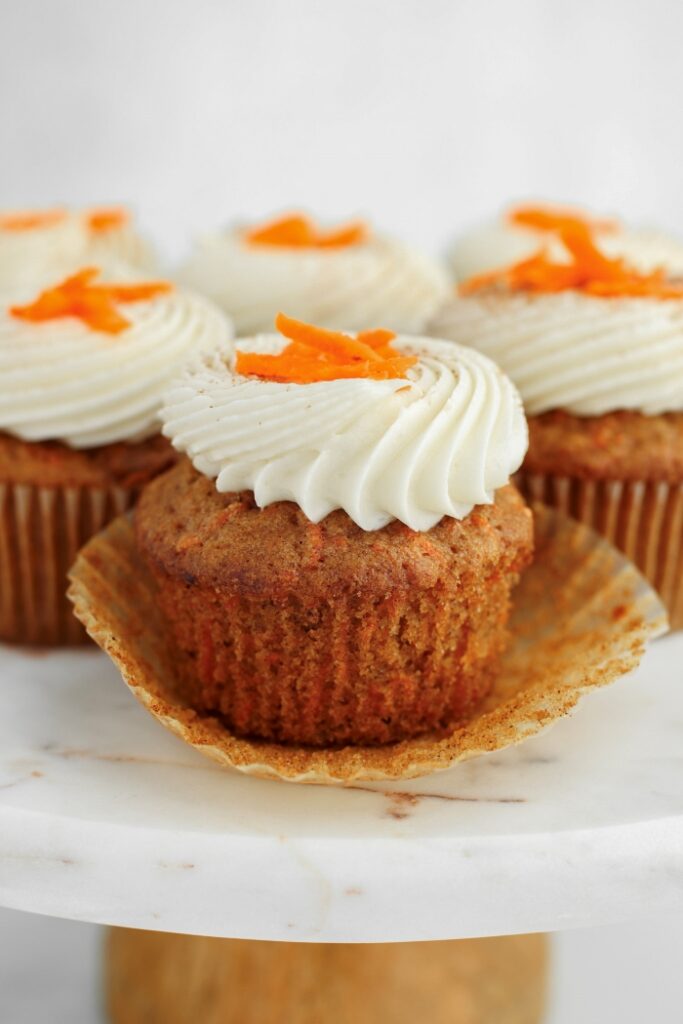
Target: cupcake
<point x="335" y="555"/>
<point x="595" y="347"/>
<point x="42" y="244"/>
<point x="344" y="277"/>
<point x="113" y="238"/>
<point x="83" y="364"/>
<point x="522" y="229"/>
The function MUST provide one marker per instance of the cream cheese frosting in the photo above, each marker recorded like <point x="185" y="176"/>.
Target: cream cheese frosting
<point x="121" y="244"/>
<point x="48" y="250"/>
<point x="61" y="380"/>
<point x="348" y="288"/>
<point x="417" y="449"/>
<point x="40" y="253"/>
<point x="571" y="351"/>
<point x="500" y="243"/>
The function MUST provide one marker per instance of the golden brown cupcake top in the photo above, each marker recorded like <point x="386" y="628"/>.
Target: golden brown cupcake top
<point x="226" y="540"/>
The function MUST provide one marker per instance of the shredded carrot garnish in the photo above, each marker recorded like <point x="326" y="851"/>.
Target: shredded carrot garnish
<point x="30" y="220"/>
<point x="316" y="354"/>
<point x="587" y="270"/>
<point x="557" y="218"/>
<point x="94" y="304"/>
<point x="298" y="231"/>
<point x="107" y="218"/>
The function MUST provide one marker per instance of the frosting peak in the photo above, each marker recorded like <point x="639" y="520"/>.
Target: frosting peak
<point x="520" y="233"/>
<point x="316" y="354"/>
<point x="37" y="246"/>
<point x="60" y="380"/>
<point x="585" y="268"/>
<point x="417" y="449"/>
<point x="296" y="230"/>
<point x="343" y="287"/>
<point x="93" y="303"/>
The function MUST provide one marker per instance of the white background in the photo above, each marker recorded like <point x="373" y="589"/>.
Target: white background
<point x="424" y="115"/>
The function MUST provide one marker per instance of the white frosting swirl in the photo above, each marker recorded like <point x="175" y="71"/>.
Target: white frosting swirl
<point x="571" y="351"/>
<point x="61" y="380"/>
<point x="498" y="244"/>
<point x="434" y="445"/>
<point x="46" y="253"/>
<point x="121" y="244"/>
<point x="41" y="253"/>
<point x="379" y="281"/>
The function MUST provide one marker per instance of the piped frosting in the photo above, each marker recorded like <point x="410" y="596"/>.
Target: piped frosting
<point x="434" y="444"/>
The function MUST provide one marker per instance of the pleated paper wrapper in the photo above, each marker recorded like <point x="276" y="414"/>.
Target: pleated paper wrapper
<point x="582" y="616"/>
<point x="41" y="532"/>
<point x="642" y="519"/>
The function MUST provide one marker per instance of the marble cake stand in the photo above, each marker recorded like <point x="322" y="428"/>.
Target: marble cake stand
<point x="105" y="817"/>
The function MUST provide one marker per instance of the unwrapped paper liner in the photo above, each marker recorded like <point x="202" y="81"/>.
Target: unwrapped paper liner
<point x="582" y="615"/>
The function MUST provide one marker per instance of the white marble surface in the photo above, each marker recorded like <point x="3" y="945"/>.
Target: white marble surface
<point x="106" y="817"/>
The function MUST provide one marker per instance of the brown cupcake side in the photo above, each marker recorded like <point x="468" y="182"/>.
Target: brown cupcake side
<point x="621" y="445"/>
<point x="52" y="464"/>
<point x="52" y="500"/>
<point x="325" y="634"/>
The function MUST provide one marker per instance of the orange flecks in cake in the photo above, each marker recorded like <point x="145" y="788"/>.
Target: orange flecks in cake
<point x="586" y="270"/>
<point x="557" y="218"/>
<point x="31" y="220"/>
<point x="94" y="304"/>
<point x="107" y="218"/>
<point x="316" y="354"/>
<point x="298" y="231"/>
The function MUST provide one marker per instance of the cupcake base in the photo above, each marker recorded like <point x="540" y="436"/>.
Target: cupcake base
<point x="52" y="500"/>
<point x="642" y="519"/>
<point x="324" y="633"/>
<point x="621" y="474"/>
<point x="581" y="617"/>
<point x="41" y="532"/>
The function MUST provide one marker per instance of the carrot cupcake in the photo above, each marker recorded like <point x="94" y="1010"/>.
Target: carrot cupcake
<point x="113" y="238"/>
<point x="595" y="347"/>
<point x="344" y="277"/>
<point x="40" y="245"/>
<point x="334" y="559"/>
<point x="83" y="364"/>
<point x="519" y="232"/>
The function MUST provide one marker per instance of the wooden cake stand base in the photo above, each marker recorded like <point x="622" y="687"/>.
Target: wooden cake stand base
<point x="162" y="978"/>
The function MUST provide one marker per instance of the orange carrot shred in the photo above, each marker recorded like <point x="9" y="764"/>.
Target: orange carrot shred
<point x="557" y="218"/>
<point x="79" y="296"/>
<point x="350" y="234"/>
<point x="587" y="270"/>
<point x="376" y="339"/>
<point x="317" y="354"/>
<point x="334" y="343"/>
<point x="296" y="230"/>
<point x="29" y="220"/>
<point x="106" y="218"/>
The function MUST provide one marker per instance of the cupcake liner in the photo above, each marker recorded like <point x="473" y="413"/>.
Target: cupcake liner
<point x="581" y="617"/>
<point x="41" y="531"/>
<point x="642" y="519"/>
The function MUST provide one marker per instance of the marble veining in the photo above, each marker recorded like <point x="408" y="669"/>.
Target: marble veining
<point x="105" y="816"/>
